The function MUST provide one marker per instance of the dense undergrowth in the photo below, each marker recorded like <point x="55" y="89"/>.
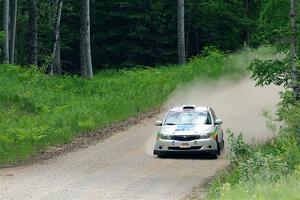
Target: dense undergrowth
<point x="270" y="171"/>
<point x="265" y="171"/>
<point x="38" y="111"/>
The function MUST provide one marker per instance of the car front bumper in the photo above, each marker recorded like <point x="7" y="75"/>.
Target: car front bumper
<point x="174" y="146"/>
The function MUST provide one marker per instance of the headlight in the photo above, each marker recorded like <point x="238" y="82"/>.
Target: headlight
<point x="205" y="136"/>
<point x="163" y="137"/>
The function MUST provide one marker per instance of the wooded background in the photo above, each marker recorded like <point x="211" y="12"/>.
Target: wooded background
<point x="129" y="33"/>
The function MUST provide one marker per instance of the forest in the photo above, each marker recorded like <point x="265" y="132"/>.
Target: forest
<point x="129" y="33"/>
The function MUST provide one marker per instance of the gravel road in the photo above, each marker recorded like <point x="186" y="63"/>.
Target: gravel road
<point x="123" y="167"/>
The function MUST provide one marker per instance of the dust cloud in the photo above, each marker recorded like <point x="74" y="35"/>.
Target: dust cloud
<point x="238" y="103"/>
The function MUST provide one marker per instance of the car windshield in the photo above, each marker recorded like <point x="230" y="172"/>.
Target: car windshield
<point x="188" y="118"/>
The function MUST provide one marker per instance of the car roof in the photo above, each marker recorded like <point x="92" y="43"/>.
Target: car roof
<point x="189" y="108"/>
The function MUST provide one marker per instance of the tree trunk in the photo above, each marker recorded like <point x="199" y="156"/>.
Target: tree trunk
<point x="56" y="35"/>
<point x="82" y="41"/>
<point x="6" y="31"/>
<point x="88" y="42"/>
<point x="197" y="40"/>
<point x="57" y="60"/>
<point x="188" y="34"/>
<point x="13" y="25"/>
<point x="247" y="14"/>
<point x="33" y="15"/>
<point x="181" y="36"/>
<point x="86" y="55"/>
<point x="295" y="71"/>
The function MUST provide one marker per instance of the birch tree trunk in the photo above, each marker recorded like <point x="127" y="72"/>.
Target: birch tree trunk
<point x="33" y="46"/>
<point x="6" y="31"/>
<point x="13" y="25"/>
<point x="83" y="67"/>
<point x="57" y="61"/>
<point x="295" y="71"/>
<point x="181" y="36"/>
<point x="56" y="35"/>
<point x="88" y="41"/>
<point x="86" y="55"/>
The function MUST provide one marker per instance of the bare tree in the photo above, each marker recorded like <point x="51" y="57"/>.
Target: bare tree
<point x="295" y="71"/>
<point x="33" y="45"/>
<point x="85" y="43"/>
<point x="6" y="30"/>
<point x="56" y="36"/>
<point x="181" y="33"/>
<point x="13" y="24"/>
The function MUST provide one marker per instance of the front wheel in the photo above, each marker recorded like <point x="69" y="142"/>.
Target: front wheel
<point x="161" y="155"/>
<point x="214" y="155"/>
<point x="219" y="148"/>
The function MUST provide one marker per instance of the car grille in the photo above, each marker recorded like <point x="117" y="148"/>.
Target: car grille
<point x="185" y="149"/>
<point x="185" y="137"/>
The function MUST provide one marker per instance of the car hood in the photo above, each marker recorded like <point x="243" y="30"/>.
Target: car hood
<point x="186" y="129"/>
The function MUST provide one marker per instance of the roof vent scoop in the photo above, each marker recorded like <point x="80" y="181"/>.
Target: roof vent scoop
<point x="188" y="107"/>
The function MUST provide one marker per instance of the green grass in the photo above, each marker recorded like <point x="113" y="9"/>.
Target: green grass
<point x="286" y="188"/>
<point x="272" y="179"/>
<point x="227" y="187"/>
<point x="38" y="111"/>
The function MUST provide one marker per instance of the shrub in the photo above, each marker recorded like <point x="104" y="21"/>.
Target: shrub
<point x="264" y="171"/>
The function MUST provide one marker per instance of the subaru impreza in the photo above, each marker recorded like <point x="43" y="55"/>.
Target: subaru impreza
<point x="189" y="128"/>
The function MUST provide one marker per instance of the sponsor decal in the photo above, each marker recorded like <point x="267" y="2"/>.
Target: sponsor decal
<point x="185" y="128"/>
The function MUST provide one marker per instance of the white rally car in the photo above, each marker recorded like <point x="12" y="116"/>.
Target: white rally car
<point x="189" y="129"/>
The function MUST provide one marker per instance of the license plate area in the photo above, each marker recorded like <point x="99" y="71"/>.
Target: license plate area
<point x="184" y="146"/>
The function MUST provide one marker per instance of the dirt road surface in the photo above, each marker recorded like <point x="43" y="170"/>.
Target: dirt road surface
<point x="123" y="167"/>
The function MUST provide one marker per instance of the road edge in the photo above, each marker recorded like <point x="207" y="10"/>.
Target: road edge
<point x="85" y="139"/>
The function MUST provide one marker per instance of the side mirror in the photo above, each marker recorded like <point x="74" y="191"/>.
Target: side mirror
<point x="218" y="122"/>
<point x="158" y="123"/>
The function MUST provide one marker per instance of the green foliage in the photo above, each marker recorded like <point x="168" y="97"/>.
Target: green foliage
<point x="239" y="150"/>
<point x="263" y="171"/>
<point x="1" y="36"/>
<point x="276" y="70"/>
<point x="273" y="23"/>
<point x="219" y="23"/>
<point x="37" y="111"/>
<point x="266" y="72"/>
<point x="126" y="33"/>
<point x="285" y="189"/>
<point x="290" y="114"/>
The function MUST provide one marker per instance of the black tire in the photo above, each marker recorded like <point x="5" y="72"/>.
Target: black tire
<point x="219" y="148"/>
<point x="213" y="156"/>
<point x="161" y="155"/>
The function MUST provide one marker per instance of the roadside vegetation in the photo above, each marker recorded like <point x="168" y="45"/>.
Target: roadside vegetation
<point x="268" y="171"/>
<point x="38" y="111"/>
<point x="271" y="170"/>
